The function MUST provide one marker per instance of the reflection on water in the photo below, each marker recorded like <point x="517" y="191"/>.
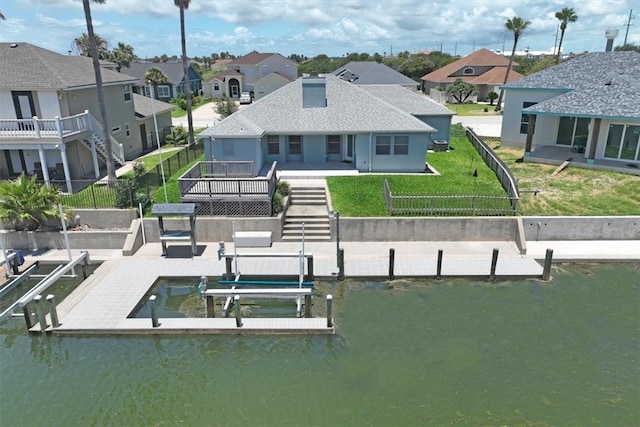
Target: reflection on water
<point x="406" y="353"/>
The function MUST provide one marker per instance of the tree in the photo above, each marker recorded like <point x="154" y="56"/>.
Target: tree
<point x="461" y="91"/>
<point x="182" y="5"/>
<point x="177" y="136"/>
<point x="2" y="18"/>
<point x="121" y="55"/>
<point x="27" y="204"/>
<point x="226" y="107"/>
<point x="566" y="15"/>
<point x="492" y="97"/>
<point x="83" y="45"/>
<point x="416" y="66"/>
<point x="516" y="25"/>
<point x="628" y="47"/>
<point x="156" y="77"/>
<point x="111" y="168"/>
<point x="543" y="63"/>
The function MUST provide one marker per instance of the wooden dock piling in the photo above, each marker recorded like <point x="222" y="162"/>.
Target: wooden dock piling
<point x="494" y="263"/>
<point x="439" y="265"/>
<point x="546" y="273"/>
<point x="392" y="258"/>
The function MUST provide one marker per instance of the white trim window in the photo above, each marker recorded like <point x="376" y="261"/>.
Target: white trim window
<point x="295" y="144"/>
<point x="127" y="130"/>
<point x="273" y="145"/>
<point x="333" y="144"/>
<point x="216" y="86"/>
<point x="524" y="118"/>
<point x="383" y="145"/>
<point x="163" y="91"/>
<point x="400" y="145"/>
<point x="126" y="92"/>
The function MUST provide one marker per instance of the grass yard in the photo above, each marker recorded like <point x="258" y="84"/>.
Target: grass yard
<point x="472" y="109"/>
<point x="179" y="112"/>
<point x="361" y="196"/>
<point x="173" y="189"/>
<point x="574" y="191"/>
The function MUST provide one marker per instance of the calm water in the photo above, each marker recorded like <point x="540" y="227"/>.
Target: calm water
<point x="418" y="353"/>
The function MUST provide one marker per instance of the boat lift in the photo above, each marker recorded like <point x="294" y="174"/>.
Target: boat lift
<point x="232" y="260"/>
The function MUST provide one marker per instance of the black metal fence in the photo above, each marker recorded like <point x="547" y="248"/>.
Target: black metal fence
<point x="121" y="194"/>
<point x="446" y="205"/>
<point x="504" y="175"/>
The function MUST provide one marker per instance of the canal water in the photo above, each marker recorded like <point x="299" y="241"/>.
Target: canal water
<point x="452" y="352"/>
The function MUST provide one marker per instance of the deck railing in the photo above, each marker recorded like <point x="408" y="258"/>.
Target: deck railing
<point x="226" y="179"/>
<point x="44" y="128"/>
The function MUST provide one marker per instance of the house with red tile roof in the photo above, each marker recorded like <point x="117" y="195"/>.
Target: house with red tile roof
<point x="255" y="72"/>
<point x="482" y="68"/>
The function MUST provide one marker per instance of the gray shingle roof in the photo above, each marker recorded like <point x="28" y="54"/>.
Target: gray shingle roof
<point x="26" y="66"/>
<point x="349" y="109"/>
<point x="599" y="84"/>
<point x="144" y="108"/>
<point x="173" y="70"/>
<point x="374" y="73"/>
<point x="407" y="100"/>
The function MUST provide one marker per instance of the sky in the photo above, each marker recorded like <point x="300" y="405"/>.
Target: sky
<point x="313" y="27"/>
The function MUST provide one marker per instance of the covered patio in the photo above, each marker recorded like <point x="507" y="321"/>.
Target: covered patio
<point x="556" y="155"/>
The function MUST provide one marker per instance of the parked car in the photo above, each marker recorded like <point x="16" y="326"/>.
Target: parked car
<point x="245" y="98"/>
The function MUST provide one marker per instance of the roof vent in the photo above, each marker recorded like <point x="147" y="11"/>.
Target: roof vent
<point x="13" y="45"/>
<point x="608" y="83"/>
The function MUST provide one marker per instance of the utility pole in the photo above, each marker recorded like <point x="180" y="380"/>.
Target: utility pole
<point x="628" y="25"/>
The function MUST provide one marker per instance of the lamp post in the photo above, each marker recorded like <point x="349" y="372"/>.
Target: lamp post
<point x="155" y="123"/>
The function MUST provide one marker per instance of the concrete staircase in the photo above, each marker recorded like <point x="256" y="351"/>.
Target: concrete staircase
<point x="308" y="205"/>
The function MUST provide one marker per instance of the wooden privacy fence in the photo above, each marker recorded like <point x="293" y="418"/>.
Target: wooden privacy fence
<point x="506" y="178"/>
<point x="445" y="205"/>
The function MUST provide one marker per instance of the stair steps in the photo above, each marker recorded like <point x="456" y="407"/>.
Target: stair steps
<point x="304" y="208"/>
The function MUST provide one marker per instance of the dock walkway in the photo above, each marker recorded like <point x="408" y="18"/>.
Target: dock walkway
<point x="104" y="301"/>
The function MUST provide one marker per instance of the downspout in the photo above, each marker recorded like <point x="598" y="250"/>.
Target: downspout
<point x="370" y="141"/>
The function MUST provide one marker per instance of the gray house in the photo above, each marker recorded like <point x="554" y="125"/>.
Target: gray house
<point x="50" y="119"/>
<point x="318" y="120"/>
<point x="587" y="108"/>
<point x="373" y="73"/>
<point x="176" y="81"/>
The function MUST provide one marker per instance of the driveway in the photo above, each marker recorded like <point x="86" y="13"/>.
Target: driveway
<point x="203" y="116"/>
<point x="489" y="126"/>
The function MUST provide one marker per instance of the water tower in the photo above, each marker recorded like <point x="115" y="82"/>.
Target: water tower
<point x="610" y="34"/>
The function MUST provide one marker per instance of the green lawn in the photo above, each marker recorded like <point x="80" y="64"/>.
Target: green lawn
<point x="179" y="112"/>
<point x="472" y="109"/>
<point x="572" y="192"/>
<point x="173" y="189"/>
<point x="361" y="196"/>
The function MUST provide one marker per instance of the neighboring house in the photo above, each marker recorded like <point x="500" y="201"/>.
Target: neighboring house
<point x="147" y="124"/>
<point x="373" y="73"/>
<point x="482" y="68"/>
<point x="325" y="119"/>
<point x="249" y="74"/>
<point x="175" y="78"/>
<point x="588" y="105"/>
<point x="50" y="119"/>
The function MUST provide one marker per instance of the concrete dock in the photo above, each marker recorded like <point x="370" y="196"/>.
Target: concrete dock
<point x="102" y="304"/>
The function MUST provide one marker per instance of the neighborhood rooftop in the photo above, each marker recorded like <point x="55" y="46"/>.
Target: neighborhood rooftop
<point x="25" y="66"/>
<point x="350" y="108"/>
<point x="599" y="84"/>
<point x="372" y="73"/>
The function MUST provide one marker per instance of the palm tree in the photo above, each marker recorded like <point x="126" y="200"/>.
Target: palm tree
<point x="83" y="45"/>
<point x="2" y="18"/>
<point x="184" y="4"/>
<point x="27" y="204"/>
<point x="111" y="167"/>
<point x="566" y="15"/>
<point x="156" y="77"/>
<point x="516" y="25"/>
<point x="121" y="55"/>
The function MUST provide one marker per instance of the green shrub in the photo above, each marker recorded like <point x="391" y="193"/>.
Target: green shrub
<point x="277" y="203"/>
<point x="124" y="193"/>
<point x="485" y="109"/>
<point x="283" y="188"/>
<point x="177" y="136"/>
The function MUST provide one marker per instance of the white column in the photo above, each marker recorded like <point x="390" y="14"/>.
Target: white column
<point x="65" y="166"/>
<point x="59" y="127"/>
<point x="36" y="126"/>
<point x="43" y="162"/>
<point x="94" y="156"/>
